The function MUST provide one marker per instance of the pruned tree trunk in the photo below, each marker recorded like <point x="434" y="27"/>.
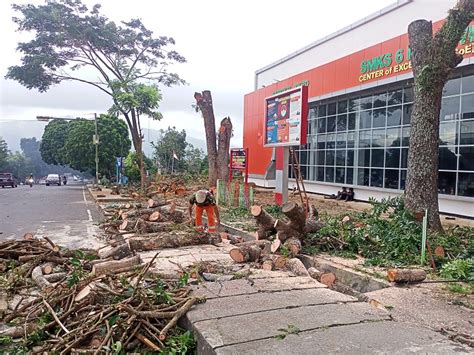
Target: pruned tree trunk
<point x="264" y="221"/>
<point x="433" y="59"/>
<point x="223" y="147"/>
<point x="170" y="240"/>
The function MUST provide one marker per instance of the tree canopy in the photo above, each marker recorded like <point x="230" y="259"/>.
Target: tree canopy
<point x="3" y="154"/>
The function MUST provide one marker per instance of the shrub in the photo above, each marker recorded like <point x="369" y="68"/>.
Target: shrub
<point x="458" y="269"/>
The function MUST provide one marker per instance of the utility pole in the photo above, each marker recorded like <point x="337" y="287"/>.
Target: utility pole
<point x="96" y="141"/>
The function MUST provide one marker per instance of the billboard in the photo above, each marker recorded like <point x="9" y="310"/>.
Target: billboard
<point x="238" y="159"/>
<point x="286" y="116"/>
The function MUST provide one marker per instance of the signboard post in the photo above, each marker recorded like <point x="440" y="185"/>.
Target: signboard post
<point x="286" y="124"/>
<point x="238" y="161"/>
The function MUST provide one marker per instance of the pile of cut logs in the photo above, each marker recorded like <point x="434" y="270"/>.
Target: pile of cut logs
<point x="55" y="300"/>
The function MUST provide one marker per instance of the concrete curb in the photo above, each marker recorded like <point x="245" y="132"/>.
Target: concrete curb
<point x="110" y="198"/>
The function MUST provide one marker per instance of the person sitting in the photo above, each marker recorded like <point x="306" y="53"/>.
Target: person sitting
<point x="341" y="194"/>
<point x="350" y="194"/>
<point x="204" y="201"/>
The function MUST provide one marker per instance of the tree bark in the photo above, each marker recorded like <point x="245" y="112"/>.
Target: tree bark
<point x="223" y="147"/>
<point x="245" y="253"/>
<point x="170" y="240"/>
<point x="433" y="58"/>
<point x="204" y="104"/>
<point x="406" y="275"/>
<point x="264" y="221"/>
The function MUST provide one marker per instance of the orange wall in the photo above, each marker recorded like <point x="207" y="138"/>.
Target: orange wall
<point x="340" y="74"/>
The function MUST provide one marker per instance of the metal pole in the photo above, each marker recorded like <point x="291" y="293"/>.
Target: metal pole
<point x="96" y="141"/>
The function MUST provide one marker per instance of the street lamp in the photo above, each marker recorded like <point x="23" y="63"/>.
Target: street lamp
<point x="95" y="138"/>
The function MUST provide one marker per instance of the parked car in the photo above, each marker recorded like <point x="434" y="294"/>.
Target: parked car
<point x="54" y="179"/>
<point x="42" y="181"/>
<point x="8" y="179"/>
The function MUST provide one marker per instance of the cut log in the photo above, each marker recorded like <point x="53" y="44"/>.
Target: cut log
<point x="28" y="236"/>
<point x="278" y="261"/>
<point x="154" y="227"/>
<point x="265" y="222"/>
<point x="296" y="214"/>
<point x="55" y="277"/>
<point x="264" y="245"/>
<point x="51" y="243"/>
<point x="312" y="226"/>
<point x="246" y="253"/>
<point x="48" y="268"/>
<point x="406" y="275"/>
<point x="156" y="202"/>
<point x="439" y="252"/>
<point x="267" y="264"/>
<point x="293" y="245"/>
<point x="275" y="245"/>
<point x="117" y="253"/>
<point x="296" y="267"/>
<point x="314" y="273"/>
<point x="174" y="239"/>
<point x="39" y="279"/>
<point x="155" y="216"/>
<point x="84" y="293"/>
<point x="285" y="231"/>
<point x="111" y="266"/>
<point x="328" y="279"/>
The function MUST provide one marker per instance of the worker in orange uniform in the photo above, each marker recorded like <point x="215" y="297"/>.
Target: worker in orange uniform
<point x="204" y="201"/>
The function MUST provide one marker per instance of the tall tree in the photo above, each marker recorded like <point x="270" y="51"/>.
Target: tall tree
<point x="53" y="142"/>
<point x="172" y="145"/>
<point x="3" y="154"/>
<point x="433" y="59"/>
<point x="217" y="155"/>
<point x="70" y="37"/>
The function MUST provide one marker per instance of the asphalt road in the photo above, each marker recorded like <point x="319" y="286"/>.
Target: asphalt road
<point x="66" y="214"/>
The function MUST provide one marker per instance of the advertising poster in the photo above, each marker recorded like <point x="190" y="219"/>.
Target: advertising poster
<point x="239" y="159"/>
<point x="285" y="118"/>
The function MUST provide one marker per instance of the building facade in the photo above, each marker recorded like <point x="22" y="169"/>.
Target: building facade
<point x="360" y="102"/>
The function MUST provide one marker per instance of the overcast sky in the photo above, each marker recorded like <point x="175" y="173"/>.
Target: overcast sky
<point x="224" y="42"/>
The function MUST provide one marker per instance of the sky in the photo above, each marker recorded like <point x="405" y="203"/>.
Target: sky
<point x="224" y="43"/>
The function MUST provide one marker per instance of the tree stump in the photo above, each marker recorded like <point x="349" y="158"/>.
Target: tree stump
<point x="265" y="222"/>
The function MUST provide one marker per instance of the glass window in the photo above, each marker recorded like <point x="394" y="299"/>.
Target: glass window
<point x="467" y="106"/>
<point x="449" y="108"/>
<point x="321" y="125"/>
<point x="329" y="177"/>
<point x="447" y="158"/>
<point x="466" y="184"/>
<point x="446" y="183"/>
<point x="303" y="170"/>
<point x="407" y="111"/>
<point x="467" y="132"/>
<point x="330" y="157"/>
<point x="331" y="108"/>
<point x="379" y="118"/>
<point x="466" y="158"/>
<point x="320" y="155"/>
<point x="321" y="110"/>
<point x="350" y="157"/>
<point x="349" y="176"/>
<point x="391" y="179"/>
<point x="366" y="102"/>
<point x="354" y="104"/>
<point x="394" y="116"/>
<point x="364" y="157"/>
<point x="340" y="175"/>
<point x="312" y="113"/>
<point x="395" y="97"/>
<point x="365" y="119"/>
<point x="365" y="138"/>
<point x="363" y="176"/>
<point x="405" y="136"/>
<point x="377" y="157"/>
<point x="378" y="138"/>
<point x="351" y="139"/>
<point x="331" y="127"/>
<point x="304" y="157"/>
<point x="341" y="140"/>
<point x="452" y="87"/>
<point x="447" y="133"/>
<point x="376" y="177"/>
<point x="403" y="178"/>
<point x="351" y="123"/>
<point x="393" y="137"/>
<point x="404" y="162"/>
<point x="331" y="141"/>
<point x="408" y="94"/>
<point x="341" y="122"/>
<point x="380" y="100"/>
<point x="320" y="173"/>
<point x="321" y="141"/>
<point x="392" y="158"/>
<point x="342" y="106"/>
<point x="341" y="157"/>
<point x="467" y="84"/>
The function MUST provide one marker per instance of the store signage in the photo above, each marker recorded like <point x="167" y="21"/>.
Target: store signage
<point x="286" y="118"/>
<point x="392" y="63"/>
<point x="301" y="83"/>
<point x="238" y="158"/>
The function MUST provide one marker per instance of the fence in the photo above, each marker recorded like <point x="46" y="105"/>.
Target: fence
<point x="234" y="194"/>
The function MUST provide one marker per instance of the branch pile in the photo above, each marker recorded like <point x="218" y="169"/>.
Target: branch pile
<point x="63" y="301"/>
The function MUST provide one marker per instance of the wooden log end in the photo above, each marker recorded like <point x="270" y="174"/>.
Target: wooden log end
<point x="255" y="210"/>
<point x="328" y="279"/>
<point x="237" y="255"/>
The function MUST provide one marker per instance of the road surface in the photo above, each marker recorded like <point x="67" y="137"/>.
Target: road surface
<point x="66" y="214"/>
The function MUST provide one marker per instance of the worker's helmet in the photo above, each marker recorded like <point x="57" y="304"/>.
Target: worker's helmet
<point x="201" y="196"/>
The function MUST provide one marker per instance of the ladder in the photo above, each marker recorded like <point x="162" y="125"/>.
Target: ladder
<point x="299" y="179"/>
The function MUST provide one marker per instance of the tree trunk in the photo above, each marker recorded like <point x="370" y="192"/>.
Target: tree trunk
<point x="245" y="253"/>
<point x="204" y="104"/>
<point x="223" y="147"/>
<point x="264" y="221"/>
<point x="433" y="59"/>
<point x="170" y="240"/>
<point x="406" y="275"/>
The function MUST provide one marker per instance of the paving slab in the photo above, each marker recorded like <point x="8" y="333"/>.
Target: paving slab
<point x="260" y="302"/>
<point x="263" y="325"/>
<point x="386" y="337"/>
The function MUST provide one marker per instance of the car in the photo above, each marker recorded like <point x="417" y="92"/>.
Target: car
<point x="53" y="179"/>
<point x="8" y="179"/>
<point x="42" y="181"/>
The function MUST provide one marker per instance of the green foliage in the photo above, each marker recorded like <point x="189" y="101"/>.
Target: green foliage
<point x="19" y="165"/>
<point x="274" y="210"/>
<point x="181" y="343"/>
<point x="53" y="142"/>
<point x="77" y="274"/>
<point x="171" y="141"/>
<point x="143" y="99"/>
<point x="467" y="289"/>
<point x="5" y="340"/>
<point x="290" y="329"/>
<point x="458" y="269"/>
<point x="132" y="167"/>
<point x="234" y="214"/>
<point x="3" y="154"/>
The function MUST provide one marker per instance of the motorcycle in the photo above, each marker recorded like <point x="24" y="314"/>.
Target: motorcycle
<point x="30" y="182"/>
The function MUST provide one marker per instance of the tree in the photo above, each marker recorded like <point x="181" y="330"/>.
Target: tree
<point x="132" y="167"/>
<point x="20" y="165"/>
<point x="217" y="154"/>
<point x="53" y="142"/>
<point x="3" y="154"/>
<point x="195" y="160"/>
<point x="69" y="37"/>
<point x="172" y="142"/>
<point x="433" y="59"/>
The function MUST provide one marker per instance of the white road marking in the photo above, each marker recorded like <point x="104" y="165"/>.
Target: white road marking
<point x="89" y="214"/>
<point x="85" y="201"/>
